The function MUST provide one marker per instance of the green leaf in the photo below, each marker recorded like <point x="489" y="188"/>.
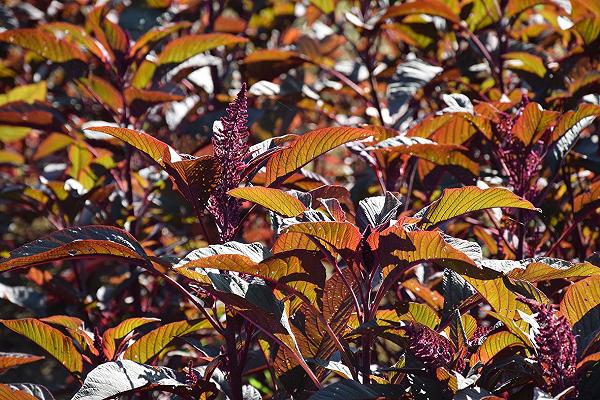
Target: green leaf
<point x="417" y="312"/>
<point x="26" y="93"/>
<point x="152" y="343"/>
<point x="120" y="331"/>
<point x="44" y="44"/>
<point x="308" y="147"/>
<point x="50" y="339"/>
<point x="186" y="47"/>
<point x="275" y="200"/>
<point x="525" y="62"/>
<point x="326" y="6"/>
<point x="493" y="344"/>
<point x="459" y="201"/>
<point x="70" y="243"/>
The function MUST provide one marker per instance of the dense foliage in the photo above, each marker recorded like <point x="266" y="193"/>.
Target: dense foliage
<point x="316" y="199"/>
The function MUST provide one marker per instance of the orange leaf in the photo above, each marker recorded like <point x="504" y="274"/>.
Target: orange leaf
<point x="308" y="147"/>
<point x="188" y="46"/>
<point x="44" y="44"/>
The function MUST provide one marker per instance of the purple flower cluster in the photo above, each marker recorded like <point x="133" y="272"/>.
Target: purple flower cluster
<point x="428" y="346"/>
<point x="556" y="347"/>
<point x="230" y="143"/>
<point x="521" y="161"/>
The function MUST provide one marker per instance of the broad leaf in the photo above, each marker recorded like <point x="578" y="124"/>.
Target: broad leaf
<point x="493" y="344"/>
<point x="428" y="7"/>
<point x="532" y="123"/>
<point x="113" y="379"/>
<point x="275" y="200"/>
<point x="525" y="62"/>
<point x="152" y="343"/>
<point x="85" y="241"/>
<point x="44" y="44"/>
<point x="353" y="390"/>
<point x="10" y="360"/>
<point x="186" y="47"/>
<point x="342" y="236"/>
<point x="50" y="339"/>
<point x="581" y="307"/>
<point x="308" y="147"/>
<point x="456" y="202"/>
<point x="154" y="35"/>
<point x="378" y="210"/>
<point x="120" y="331"/>
<point x="569" y="126"/>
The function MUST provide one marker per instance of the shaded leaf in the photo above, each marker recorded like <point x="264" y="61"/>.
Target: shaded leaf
<point x="91" y="240"/>
<point x="378" y="210"/>
<point x="353" y="390"/>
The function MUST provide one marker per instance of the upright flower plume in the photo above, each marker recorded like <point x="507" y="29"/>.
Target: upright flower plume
<point x="230" y="143"/>
<point x="556" y="347"/>
<point x="428" y="346"/>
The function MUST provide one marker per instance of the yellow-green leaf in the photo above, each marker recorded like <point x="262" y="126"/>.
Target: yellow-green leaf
<point x="493" y="344"/>
<point x="275" y="200"/>
<point x="308" y="147"/>
<point x="50" y="339"/>
<point x="428" y="7"/>
<point x="44" y="44"/>
<point x="459" y="201"/>
<point x="188" y="46"/>
<point x="525" y="62"/>
<point x="120" y="331"/>
<point x="155" y="341"/>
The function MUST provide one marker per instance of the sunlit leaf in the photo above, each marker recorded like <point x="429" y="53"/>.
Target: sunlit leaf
<point x="50" y="339"/>
<point x="152" y="343"/>
<point x="120" y="331"/>
<point x="416" y="312"/>
<point x="308" y="147"/>
<point x="103" y="92"/>
<point x="71" y="243"/>
<point x="112" y="379"/>
<point x="532" y="123"/>
<point x="429" y="7"/>
<point x="525" y="62"/>
<point x="44" y="44"/>
<point x="154" y="35"/>
<point x="11" y="360"/>
<point x="275" y="200"/>
<point x="27" y="93"/>
<point x="342" y="236"/>
<point x="8" y="393"/>
<point x="185" y="47"/>
<point x="456" y="202"/>
<point x="580" y="306"/>
<point x="493" y="344"/>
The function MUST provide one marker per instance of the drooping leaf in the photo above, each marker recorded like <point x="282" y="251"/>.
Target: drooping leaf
<point x="581" y="307"/>
<point x="50" y="339"/>
<point x="456" y="202"/>
<point x="120" y="331"/>
<point x="378" y="210"/>
<point x="152" y="343"/>
<point x="11" y="360"/>
<point x="493" y="344"/>
<point x="569" y="126"/>
<point x="308" y="147"/>
<point x="85" y="241"/>
<point x="275" y="200"/>
<point x="104" y="92"/>
<point x="186" y="47"/>
<point x="44" y="44"/>
<point x="112" y="379"/>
